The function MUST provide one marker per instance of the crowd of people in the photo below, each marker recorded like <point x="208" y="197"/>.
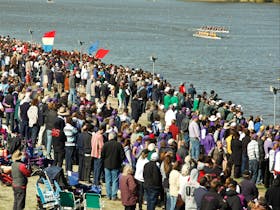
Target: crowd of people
<point x="187" y="154"/>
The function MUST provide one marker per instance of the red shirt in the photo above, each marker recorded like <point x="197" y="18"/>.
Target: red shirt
<point x="174" y="130"/>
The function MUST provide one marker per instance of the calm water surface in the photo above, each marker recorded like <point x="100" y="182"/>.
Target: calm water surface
<point x="240" y="67"/>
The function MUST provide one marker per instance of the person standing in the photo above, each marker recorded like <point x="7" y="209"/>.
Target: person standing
<point x="97" y="143"/>
<point x="70" y="145"/>
<point x="128" y="188"/>
<point x="152" y="181"/>
<point x="33" y="114"/>
<point x="236" y="155"/>
<point x="86" y="135"/>
<point x="253" y="155"/>
<point x="194" y="133"/>
<point x="50" y="119"/>
<point x="9" y="103"/>
<point x="113" y="155"/>
<point x="20" y="172"/>
<point x="58" y="142"/>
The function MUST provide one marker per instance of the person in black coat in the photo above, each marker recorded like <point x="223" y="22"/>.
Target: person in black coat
<point x="152" y="181"/>
<point x="248" y="187"/>
<point x="84" y="150"/>
<point x="232" y="197"/>
<point x="272" y="195"/>
<point x="135" y="109"/>
<point x="236" y="156"/>
<point x="112" y="155"/>
<point x="58" y="142"/>
<point x="245" y="160"/>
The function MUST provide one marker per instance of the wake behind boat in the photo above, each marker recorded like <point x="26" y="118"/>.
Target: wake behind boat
<point x="206" y="35"/>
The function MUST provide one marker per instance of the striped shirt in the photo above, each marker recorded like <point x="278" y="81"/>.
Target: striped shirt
<point x="253" y="150"/>
<point x="70" y="133"/>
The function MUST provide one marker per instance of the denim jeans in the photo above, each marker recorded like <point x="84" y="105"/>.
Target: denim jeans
<point x="173" y="200"/>
<point x="72" y="97"/>
<point x="24" y="129"/>
<point x="245" y="163"/>
<point x="187" y="138"/>
<point x="194" y="148"/>
<point x="10" y="119"/>
<point x="112" y="182"/>
<point x="34" y="134"/>
<point x="69" y="152"/>
<point x="152" y="197"/>
<point x="49" y="142"/>
<point x="97" y="167"/>
<point x="168" y="201"/>
<point x="253" y="167"/>
<point x="141" y="193"/>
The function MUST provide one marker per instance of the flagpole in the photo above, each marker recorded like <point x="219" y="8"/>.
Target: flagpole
<point x="153" y="59"/>
<point x="31" y="35"/>
<point x="81" y="52"/>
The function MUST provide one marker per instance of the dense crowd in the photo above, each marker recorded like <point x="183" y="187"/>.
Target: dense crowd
<point x="187" y="156"/>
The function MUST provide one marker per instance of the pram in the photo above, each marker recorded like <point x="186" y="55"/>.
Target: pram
<point x="5" y="169"/>
<point x="51" y="181"/>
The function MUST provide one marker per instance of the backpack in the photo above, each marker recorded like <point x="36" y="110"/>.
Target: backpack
<point x="155" y="128"/>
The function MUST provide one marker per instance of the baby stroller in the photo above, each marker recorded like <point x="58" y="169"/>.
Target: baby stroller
<point x="51" y="181"/>
<point x="5" y="171"/>
<point x="35" y="156"/>
<point x="5" y="168"/>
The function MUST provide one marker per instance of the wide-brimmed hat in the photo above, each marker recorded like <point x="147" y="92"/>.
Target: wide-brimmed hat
<point x="212" y="118"/>
<point x="17" y="155"/>
<point x="63" y="111"/>
<point x="246" y="174"/>
<point x="226" y="126"/>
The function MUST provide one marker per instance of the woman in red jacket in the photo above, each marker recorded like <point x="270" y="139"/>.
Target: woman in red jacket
<point x="128" y="188"/>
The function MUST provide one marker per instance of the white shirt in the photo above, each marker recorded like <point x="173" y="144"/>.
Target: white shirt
<point x="140" y="168"/>
<point x="277" y="162"/>
<point x="169" y="116"/>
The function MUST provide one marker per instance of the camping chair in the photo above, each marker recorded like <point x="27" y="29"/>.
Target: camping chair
<point x="92" y="201"/>
<point x="67" y="200"/>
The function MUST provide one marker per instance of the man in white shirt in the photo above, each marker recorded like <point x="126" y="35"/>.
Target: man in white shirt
<point x="194" y="133"/>
<point x="253" y="155"/>
<point x="170" y="115"/>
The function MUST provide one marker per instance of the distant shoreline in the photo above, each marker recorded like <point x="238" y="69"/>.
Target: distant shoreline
<point x="234" y="1"/>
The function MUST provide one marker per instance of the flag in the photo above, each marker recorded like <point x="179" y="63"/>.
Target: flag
<point x="93" y="47"/>
<point x="48" y="40"/>
<point x="101" y="53"/>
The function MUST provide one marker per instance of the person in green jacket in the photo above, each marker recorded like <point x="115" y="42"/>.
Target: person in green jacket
<point x="167" y="98"/>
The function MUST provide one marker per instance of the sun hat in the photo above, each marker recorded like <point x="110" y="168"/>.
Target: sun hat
<point x="246" y="174"/>
<point x="170" y="141"/>
<point x="17" y="155"/>
<point x="151" y="147"/>
<point x="212" y="118"/>
<point x="226" y="126"/>
<point x="154" y="156"/>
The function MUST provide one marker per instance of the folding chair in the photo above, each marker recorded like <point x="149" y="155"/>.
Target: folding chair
<point x="92" y="201"/>
<point x="67" y="200"/>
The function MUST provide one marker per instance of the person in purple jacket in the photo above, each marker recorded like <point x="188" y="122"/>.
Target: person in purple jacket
<point x="209" y="142"/>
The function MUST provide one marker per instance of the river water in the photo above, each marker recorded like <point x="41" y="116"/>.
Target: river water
<point x="240" y="67"/>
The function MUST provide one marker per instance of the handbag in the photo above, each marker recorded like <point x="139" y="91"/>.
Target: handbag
<point x="179" y="202"/>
